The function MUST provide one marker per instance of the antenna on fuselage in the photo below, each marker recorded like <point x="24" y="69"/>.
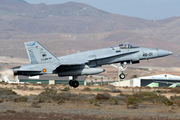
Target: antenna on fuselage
<point x="67" y="52"/>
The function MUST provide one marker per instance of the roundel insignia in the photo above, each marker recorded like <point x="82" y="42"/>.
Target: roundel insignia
<point x="44" y="70"/>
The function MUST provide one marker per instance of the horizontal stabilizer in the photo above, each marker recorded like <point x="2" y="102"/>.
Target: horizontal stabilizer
<point x="27" y="72"/>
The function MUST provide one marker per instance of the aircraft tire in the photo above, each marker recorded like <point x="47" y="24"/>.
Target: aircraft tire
<point x="122" y="76"/>
<point x="75" y="83"/>
<point x="70" y="82"/>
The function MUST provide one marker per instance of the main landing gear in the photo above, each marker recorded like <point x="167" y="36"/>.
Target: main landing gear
<point x="74" y="83"/>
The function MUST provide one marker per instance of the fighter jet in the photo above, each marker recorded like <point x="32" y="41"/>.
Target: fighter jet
<point x="83" y="63"/>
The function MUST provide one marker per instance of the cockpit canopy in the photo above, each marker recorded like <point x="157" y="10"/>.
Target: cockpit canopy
<point x="125" y="46"/>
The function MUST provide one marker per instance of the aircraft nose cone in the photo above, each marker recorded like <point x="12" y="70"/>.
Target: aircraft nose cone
<point x="162" y="53"/>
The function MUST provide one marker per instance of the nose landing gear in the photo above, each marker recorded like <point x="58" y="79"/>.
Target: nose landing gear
<point x="120" y="68"/>
<point x="122" y="76"/>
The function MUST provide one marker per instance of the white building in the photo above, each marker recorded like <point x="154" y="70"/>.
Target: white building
<point x="162" y="80"/>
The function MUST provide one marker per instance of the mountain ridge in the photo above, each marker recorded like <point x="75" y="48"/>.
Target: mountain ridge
<point x="78" y="26"/>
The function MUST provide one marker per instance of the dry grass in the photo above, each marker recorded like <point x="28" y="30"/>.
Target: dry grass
<point x="175" y="90"/>
<point x="85" y="100"/>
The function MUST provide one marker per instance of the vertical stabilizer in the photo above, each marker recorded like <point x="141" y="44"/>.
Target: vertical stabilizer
<point x="38" y="54"/>
<point x="153" y="85"/>
<point x="173" y="85"/>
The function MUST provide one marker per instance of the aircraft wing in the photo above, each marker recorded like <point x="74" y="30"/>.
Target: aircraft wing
<point x="70" y="64"/>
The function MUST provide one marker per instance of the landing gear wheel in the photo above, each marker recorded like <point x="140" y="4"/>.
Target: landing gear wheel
<point x="122" y="76"/>
<point x="75" y="83"/>
<point x="70" y="82"/>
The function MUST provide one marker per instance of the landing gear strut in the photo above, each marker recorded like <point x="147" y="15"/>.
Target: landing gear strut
<point x="121" y="68"/>
<point x="74" y="83"/>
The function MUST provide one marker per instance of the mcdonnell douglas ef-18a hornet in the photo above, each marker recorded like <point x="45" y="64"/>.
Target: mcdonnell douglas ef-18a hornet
<point x="83" y="63"/>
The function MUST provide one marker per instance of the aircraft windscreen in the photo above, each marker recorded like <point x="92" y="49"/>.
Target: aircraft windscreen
<point x="133" y="46"/>
<point x="125" y="46"/>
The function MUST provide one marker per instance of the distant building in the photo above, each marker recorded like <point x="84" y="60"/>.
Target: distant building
<point x="162" y="80"/>
<point x="50" y="79"/>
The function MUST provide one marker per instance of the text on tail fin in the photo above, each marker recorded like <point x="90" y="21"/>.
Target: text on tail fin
<point x="38" y="54"/>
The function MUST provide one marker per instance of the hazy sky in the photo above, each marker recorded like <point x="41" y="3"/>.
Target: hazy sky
<point x="147" y="9"/>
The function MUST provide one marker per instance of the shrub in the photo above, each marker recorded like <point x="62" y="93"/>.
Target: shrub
<point x="35" y="105"/>
<point x="175" y="90"/>
<point x="53" y="86"/>
<point x="158" y="91"/>
<point x="120" y="98"/>
<point x="133" y="76"/>
<point x="97" y="89"/>
<point x="176" y="100"/>
<point x="113" y="101"/>
<point x="153" y="97"/>
<point x="110" y="87"/>
<point x="1" y="100"/>
<point x="66" y="89"/>
<point x="150" y="96"/>
<point x="31" y="88"/>
<point x="11" y="97"/>
<point x="40" y="99"/>
<point x="66" y="95"/>
<point x="95" y="102"/>
<point x="48" y="95"/>
<point x="104" y="96"/>
<point x="25" y="88"/>
<point x="8" y="94"/>
<point x="63" y="85"/>
<point x="116" y="91"/>
<point x="132" y="100"/>
<point x="30" y="97"/>
<point x="86" y="89"/>
<point x="82" y="97"/>
<point x="21" y="99"/>
<point x="61" y="101"/>
<point x="10" y="111"/>
<point x="168" y="102"/>
<point x="19" y="87"/>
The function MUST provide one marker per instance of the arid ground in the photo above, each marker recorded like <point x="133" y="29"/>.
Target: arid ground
<point x="86" y="103"/>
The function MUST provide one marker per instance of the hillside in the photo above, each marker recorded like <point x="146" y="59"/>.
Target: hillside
<point x="77" y="26"/>
<point x="70" y="17"/>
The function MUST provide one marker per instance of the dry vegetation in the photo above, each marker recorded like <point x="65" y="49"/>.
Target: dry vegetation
<point x="101" y="101"/>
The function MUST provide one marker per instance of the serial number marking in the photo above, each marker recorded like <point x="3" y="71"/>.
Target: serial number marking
<point x="147" y="54"/>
